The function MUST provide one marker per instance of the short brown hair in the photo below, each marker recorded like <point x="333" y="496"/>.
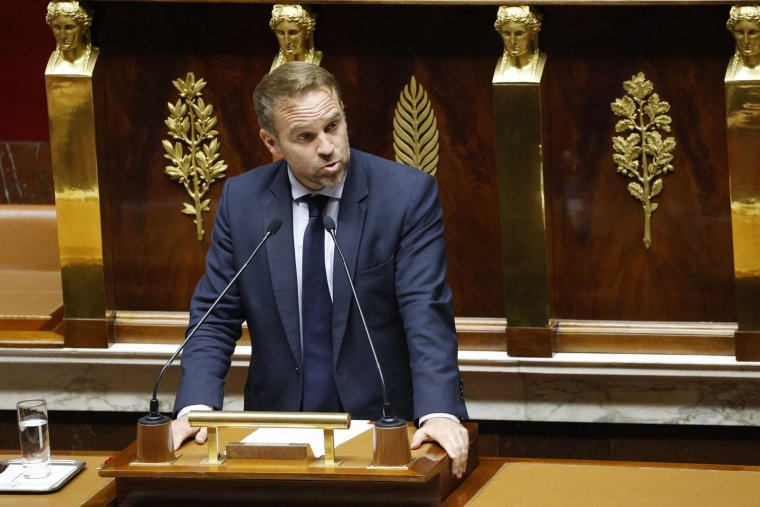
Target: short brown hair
<point x="289" y="80"/>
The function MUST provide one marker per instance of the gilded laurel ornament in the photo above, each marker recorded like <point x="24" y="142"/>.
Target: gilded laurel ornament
<point x="644" y="154"/>
<point x="415" y="130"/>
<point x="191" y="125"/>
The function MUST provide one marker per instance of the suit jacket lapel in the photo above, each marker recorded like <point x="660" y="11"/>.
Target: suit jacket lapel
<point x="281" y="256"/>
<point x="349" y="233"/>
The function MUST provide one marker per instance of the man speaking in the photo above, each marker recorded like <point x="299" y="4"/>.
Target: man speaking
<point x="309" y="348"/>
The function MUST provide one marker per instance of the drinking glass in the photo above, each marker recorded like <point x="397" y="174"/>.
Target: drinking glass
<point x="35" y="442"/>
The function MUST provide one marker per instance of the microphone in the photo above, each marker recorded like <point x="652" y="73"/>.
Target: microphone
<point x="154" y="417"/>
<point x="389" y="420"/>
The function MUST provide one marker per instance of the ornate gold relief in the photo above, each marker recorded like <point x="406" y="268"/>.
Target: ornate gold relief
<point x="74" y="53"/>
<point x="521" y="61"/>
<point x="744" y="25"/>
<point x="645" y="143"/>
<point x="415" y="130"/>
<point x="294" y="27"/>
<point x="191" y="123"/>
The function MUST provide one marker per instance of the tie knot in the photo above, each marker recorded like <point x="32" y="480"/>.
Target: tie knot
<point x="316" y="204"/>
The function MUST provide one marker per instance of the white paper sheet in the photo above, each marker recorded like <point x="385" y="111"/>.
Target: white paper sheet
<point x="315" y="438"/>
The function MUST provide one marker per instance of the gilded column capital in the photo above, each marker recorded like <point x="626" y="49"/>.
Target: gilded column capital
<point x="74" y="53"/>
<point x="294" y="27"/>
<point x="521" y="60"/>
<point x="744" y="25"/>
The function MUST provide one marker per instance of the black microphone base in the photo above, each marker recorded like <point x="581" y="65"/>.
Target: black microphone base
<point x="391" y="443"/>
<point x="155" y="443"/>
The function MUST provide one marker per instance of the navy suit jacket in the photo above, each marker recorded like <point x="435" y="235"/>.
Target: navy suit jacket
<point x="390" y="229"/>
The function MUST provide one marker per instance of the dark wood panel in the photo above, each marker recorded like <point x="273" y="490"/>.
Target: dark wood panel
<point x="157" y="259"/>
<point x="601" y="268"/>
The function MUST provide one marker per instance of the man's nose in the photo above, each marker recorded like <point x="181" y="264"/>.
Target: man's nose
<point x="325" y="147"/>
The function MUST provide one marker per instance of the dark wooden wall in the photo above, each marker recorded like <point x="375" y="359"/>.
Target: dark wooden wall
<point x="601" y="269"/>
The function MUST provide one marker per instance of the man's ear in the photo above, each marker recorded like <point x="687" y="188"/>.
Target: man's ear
<point x="271" y="143"/>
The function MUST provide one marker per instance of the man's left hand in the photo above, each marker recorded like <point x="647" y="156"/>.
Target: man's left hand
<point x="450" y="435"/>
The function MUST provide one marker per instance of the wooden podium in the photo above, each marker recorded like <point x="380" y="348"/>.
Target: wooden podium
<point x="427" y="481"/>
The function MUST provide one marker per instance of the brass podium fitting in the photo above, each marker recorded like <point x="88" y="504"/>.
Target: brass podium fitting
<point x="743" y="131"/>
<point x="329" y="422"/>
<point x="73" y="83"/>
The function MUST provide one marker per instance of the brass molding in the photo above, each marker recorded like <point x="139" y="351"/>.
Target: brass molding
<point x="645" y="143"/>
<point x="191" y="123"/>
<point x="415" y="130"/>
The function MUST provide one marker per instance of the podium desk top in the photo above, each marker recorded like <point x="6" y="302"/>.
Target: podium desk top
<point x="86" y="489"/>
<point x="427" y="481"/>
<point x="429" y="460"/>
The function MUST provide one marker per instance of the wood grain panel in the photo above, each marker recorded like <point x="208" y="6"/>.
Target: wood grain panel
<point x="601" y="268"/>
<point x="157" y="259"/>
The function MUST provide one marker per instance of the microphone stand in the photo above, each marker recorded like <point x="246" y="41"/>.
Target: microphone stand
<point x="391" y="440"/>
<point x="155" y="443"/>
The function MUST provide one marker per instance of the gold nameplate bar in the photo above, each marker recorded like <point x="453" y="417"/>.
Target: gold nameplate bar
<point x="329" y="422"/>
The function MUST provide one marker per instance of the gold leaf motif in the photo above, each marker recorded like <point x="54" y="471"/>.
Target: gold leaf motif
<point x="645" y="143"/>
<point x="415" y="130"/>
<point x="191" y="124"/>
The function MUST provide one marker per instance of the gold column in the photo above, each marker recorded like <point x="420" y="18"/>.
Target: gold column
<point x="743" y="119"/>
<point x="522" y="201"/>
<point x="73" y="145"/>
<point x="743" y="132"/>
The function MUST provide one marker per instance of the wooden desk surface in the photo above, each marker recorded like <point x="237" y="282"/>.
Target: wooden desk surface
<point x="548" y="483"/>
<point x="356" y="453"/>
<point x="188" y="482"/>
<point x="86" y="489"/>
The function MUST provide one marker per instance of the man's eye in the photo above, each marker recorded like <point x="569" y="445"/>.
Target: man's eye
<point x="303" y="137"/>
<point x="332" y="126"/>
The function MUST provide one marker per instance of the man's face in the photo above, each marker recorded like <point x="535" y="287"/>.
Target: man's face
<point x="747" y="36"/>
<point x="312" y="137"/>
<point x="291" y="37"/>
<point x="68" y="33"/>
<point x="517" y="38"/>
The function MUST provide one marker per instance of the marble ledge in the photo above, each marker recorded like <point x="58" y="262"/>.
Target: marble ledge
<point x="470" y="361"/>
<point x="588" y="388"/>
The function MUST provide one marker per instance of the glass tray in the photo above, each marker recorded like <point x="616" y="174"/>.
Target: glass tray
<point x="12" y="478"/>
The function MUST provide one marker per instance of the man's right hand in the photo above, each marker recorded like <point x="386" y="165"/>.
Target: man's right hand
<point x="181" y="431"/>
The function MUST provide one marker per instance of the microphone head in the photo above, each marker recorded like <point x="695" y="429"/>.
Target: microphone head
<point x="274" y="226"/>
<point x="329" y="223"/>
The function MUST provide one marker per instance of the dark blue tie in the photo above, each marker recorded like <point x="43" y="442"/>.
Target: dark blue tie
<point x="320" y="393"/>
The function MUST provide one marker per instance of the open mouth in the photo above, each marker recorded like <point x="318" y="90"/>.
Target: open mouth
<point x="331" y="167"/>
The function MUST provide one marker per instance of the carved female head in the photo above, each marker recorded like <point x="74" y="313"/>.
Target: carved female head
<point x="70" y="23"/>
<point x="518" y="27"/>
<point x="294" y="27"/>
<point x="744" y="25"/>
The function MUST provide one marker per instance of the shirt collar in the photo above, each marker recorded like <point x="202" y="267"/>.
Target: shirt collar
<point x="299" y="190"/>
